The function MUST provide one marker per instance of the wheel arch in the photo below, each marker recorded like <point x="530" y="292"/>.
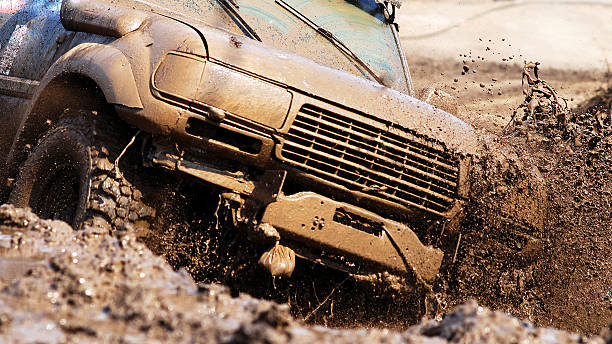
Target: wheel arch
<point x="90" y="76"/>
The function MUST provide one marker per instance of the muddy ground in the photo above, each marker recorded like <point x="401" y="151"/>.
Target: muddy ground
<point x="59" y="285"/>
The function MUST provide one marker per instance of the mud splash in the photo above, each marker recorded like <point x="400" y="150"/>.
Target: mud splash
<point x="561" y="275"/>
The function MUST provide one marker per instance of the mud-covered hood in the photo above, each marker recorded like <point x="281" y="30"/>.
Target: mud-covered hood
<point x="342" y="88"/>
<point x="303" y="75"/>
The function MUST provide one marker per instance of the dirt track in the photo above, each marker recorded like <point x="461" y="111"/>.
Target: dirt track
<point x="59" y="285"/>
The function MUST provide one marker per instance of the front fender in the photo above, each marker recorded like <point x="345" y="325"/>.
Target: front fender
<point x="107" y="66"/>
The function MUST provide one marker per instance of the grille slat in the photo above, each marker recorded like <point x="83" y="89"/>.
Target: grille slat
<point x="417" y="152"/>
<point x="406" y="198"/>
<point x="404" y="169"/>
<point x="396" y="167"/>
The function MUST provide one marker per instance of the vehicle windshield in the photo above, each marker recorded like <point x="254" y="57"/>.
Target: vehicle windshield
<point x="359" y="25"/>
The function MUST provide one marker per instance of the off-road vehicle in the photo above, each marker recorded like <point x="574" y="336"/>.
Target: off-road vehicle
<point x="301" y="112"/>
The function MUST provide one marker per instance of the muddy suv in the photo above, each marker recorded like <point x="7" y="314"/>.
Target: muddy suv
<point x="301" y="113"/>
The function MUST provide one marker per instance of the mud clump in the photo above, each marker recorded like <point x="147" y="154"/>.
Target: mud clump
<point x="58" y="285"/>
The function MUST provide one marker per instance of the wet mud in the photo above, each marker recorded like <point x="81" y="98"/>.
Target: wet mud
<point x="560" y="275"/>
<point x="59" y="285"/>
<point x="555" y="269"/>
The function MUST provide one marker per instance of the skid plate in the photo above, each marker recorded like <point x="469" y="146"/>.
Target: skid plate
<point x="351" y="233"/>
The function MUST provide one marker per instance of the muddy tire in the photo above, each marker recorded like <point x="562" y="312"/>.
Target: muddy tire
<point x="71" y="174"/>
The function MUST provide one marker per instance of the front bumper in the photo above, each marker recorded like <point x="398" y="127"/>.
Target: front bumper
<point x="349" y="237"/>
<point x="337" y="234"/>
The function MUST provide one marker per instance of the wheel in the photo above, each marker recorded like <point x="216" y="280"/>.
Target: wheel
<point x="72" y="175"/>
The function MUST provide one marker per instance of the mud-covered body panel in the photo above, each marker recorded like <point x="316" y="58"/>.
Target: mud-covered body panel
<point x="344" y="89"/>
<point x="232" y="109"/>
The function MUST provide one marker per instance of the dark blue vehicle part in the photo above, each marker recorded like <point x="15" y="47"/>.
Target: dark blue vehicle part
<point x="31" y="37"/>
<point x="25" y="37"/>
<point x="31" y="40"/>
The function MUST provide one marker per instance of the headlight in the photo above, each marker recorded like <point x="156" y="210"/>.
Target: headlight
<point x="202" y="84"/>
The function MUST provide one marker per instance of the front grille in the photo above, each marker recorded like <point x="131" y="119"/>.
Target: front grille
<point x="400" y="167"/>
